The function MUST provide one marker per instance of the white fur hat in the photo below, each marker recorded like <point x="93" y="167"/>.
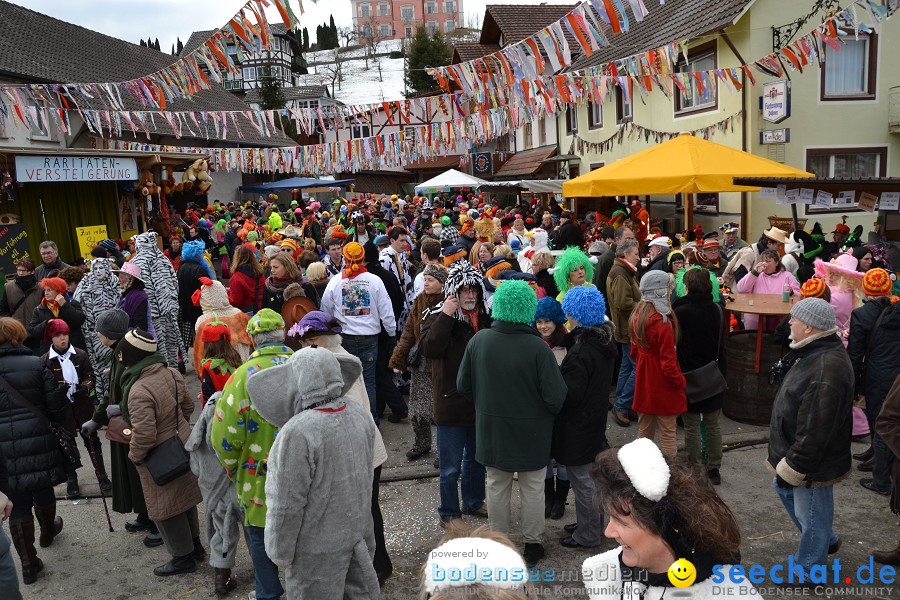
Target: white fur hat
<point x="646" y="468"/>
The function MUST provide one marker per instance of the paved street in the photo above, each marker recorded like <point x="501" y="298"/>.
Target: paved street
<point x="86" y="558"/>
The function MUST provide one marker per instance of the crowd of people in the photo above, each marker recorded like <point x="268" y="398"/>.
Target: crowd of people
<point x="513" y="331"/>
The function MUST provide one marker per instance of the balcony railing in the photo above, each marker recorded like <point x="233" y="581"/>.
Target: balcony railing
<point x="894" y="110"/>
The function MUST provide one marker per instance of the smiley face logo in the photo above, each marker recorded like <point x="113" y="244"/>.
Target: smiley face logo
<point x="682" y="573"/>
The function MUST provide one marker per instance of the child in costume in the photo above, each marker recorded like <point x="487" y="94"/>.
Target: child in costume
<point x="845" y="283"/>
<point x="220" y="359"/>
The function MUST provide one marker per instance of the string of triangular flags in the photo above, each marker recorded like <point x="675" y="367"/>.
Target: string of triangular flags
<point x="632" y="131"/>
<point x="590" y="24"/>
<point x="248" y="30"/>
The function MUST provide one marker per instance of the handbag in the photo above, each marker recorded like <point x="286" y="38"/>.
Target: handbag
<point x="169" y="460"/>
<point x="64" y="438"/>
<point x="118" y="431"/>
<point x="707" y="381"/>
<point x="414" y="359"/>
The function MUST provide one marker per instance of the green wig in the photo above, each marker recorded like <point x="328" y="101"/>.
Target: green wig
<point x="514" y="302"/>
<point x="568" y="262"/>
<point x="681" y="291"/>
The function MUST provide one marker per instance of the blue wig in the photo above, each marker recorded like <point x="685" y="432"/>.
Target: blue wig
<point x="585" y="305"/>
<point x="193" y="252"/>
<point x="551" y="310"/>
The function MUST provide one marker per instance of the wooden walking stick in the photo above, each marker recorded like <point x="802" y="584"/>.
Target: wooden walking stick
<point x="90" y="441"/>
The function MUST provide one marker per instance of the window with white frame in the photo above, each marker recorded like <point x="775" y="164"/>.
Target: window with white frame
<point x="850" y="73"/>
<point x="360" y="131"/>
<point x="527" y="137"/>
<point x="408" y="13"/>
<point x="595" y="115"/>
<point x="449" y="25"/>
<point x="571" y="119"/>
<point x="541" y="126"/>
<point x="384" y="30"/>
<point x="367" y="30"/>
<point x="409" y="31"/>
<point x="695" y="99"/>
<point x="449" y="6"/>
<point x="365" y="10"/>
<point x="847" y="163"/>
<point x="384" y="10"/>
<point x="249" y="73"/>
<point x="431" y="8"/>
<point x="431" y="26"/>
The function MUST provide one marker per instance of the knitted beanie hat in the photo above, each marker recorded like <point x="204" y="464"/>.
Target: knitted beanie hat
<point x="514" y="302"/>
<point x="877" y="283"/>
<point x="437" y="271"/>
<point x="136" y="346"/>
<point x="815" y="312"/>
<point x="54" y="327"/>
<point x="548" y="309"/>
<point x="112" y="323"/>
<point x="109" y="245"/>
<point x="813" y="287"/>
<point x="57" y="284"/>
<point x="585" y="305"/>
<point x="214" y="331"/>
<point x="264" y="321"/>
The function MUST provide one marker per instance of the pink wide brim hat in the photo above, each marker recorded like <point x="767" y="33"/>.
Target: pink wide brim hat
<point x="845" y="264"/>
<point x="130" y="269"/>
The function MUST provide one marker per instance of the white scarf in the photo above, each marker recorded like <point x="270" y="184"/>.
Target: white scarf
<point x="68" y="369"/>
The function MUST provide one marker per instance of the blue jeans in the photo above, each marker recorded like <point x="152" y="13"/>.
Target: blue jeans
<point x="9" y="580"/>
<point x="365" y="348"/>
<point x="456" y="452"/>
<point x="625" y="384"/>
<point x="561" y="472"/>
<point x="268" y="587"/>
<point x="812" y="511"/>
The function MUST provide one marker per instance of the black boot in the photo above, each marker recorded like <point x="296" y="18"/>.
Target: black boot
<point x="548" y="496"/>
<point x="224" y="581"/>
<point x="50" y="524"/>
<point x="139" y="523"/>
<point x="888" y="557"/>
<point x="176" y="566"/>
<point x="22" y="533"/>
<point x="97" y="459"/>
<point x="865" y="454"/>
<point x="559" y="499"/>
<point x="73" y="492"/>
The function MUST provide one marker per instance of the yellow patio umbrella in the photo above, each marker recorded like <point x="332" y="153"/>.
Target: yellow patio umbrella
<point x="683" y="165"/>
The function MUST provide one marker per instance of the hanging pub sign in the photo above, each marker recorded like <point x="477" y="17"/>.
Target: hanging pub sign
<point x="775" y="102"/>
<point x="44" y="169"/>
<point x="482" y="164"/>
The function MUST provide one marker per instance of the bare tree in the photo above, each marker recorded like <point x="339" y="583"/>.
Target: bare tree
<point x="333" y="69"/>
<point x="369" y="37"/>
<point x="470" y="31"/>
<point x="346" y="35"/>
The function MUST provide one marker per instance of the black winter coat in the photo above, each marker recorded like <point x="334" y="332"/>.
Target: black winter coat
<point x="30" y="451"/>
<point x="811" y="419"/>
<point x="444" y="340"/>
<point x="188" y="275"/>
<point x="702" y="324"/>
<point x="70" y="312"/>
<point x="569" y="234"/>
<point x="876" y="371"/>
<point x="579" y="432"/>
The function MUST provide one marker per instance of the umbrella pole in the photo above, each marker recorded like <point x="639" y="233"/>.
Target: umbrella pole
<point x="794" y="215"/>
<point x="688" y="211"/>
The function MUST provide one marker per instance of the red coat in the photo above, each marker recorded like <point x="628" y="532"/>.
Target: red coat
<point x="658" y="382"/>
<point x="241" y="289"/>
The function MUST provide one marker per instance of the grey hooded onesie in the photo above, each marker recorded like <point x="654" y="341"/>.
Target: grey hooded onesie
<point x="319" y="484"/>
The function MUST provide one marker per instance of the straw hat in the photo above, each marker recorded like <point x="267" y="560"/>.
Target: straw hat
<point x="773" y="233"/>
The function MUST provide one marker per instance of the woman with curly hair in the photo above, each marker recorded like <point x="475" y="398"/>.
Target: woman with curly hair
<point x="573" y="268"/>
<point x="661" y="510"/>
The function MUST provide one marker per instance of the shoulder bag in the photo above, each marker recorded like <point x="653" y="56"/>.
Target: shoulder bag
<point x="707" y="381"/>
<point x="169" y="460"/>
<point x="64" y="438"/>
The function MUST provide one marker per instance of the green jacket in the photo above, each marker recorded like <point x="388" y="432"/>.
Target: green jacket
<point x="623" y="292"/>
<point x="517" y="388"/>
<point x="242" y="439"/>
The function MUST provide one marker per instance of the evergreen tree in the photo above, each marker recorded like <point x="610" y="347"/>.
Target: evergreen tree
<point x="143" y="43"/>
<point x="180" y="46"/>
<point x="156" y="44"/>
<point x="333" y="35"/>
<point x="305" y="45"/>
<point x="425" y="51"/>
<point x="319" y="38"/>
<point x="173" y="49"/>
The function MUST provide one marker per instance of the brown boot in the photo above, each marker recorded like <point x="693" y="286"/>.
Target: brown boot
<point x="890" y="557"/>
<point x="224" y="582"/>
<point x="50" y="524"/>
<point x="22" y="533"/>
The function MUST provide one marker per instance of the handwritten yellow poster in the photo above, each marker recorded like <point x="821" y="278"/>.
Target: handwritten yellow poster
<point x="88" y="237"/>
